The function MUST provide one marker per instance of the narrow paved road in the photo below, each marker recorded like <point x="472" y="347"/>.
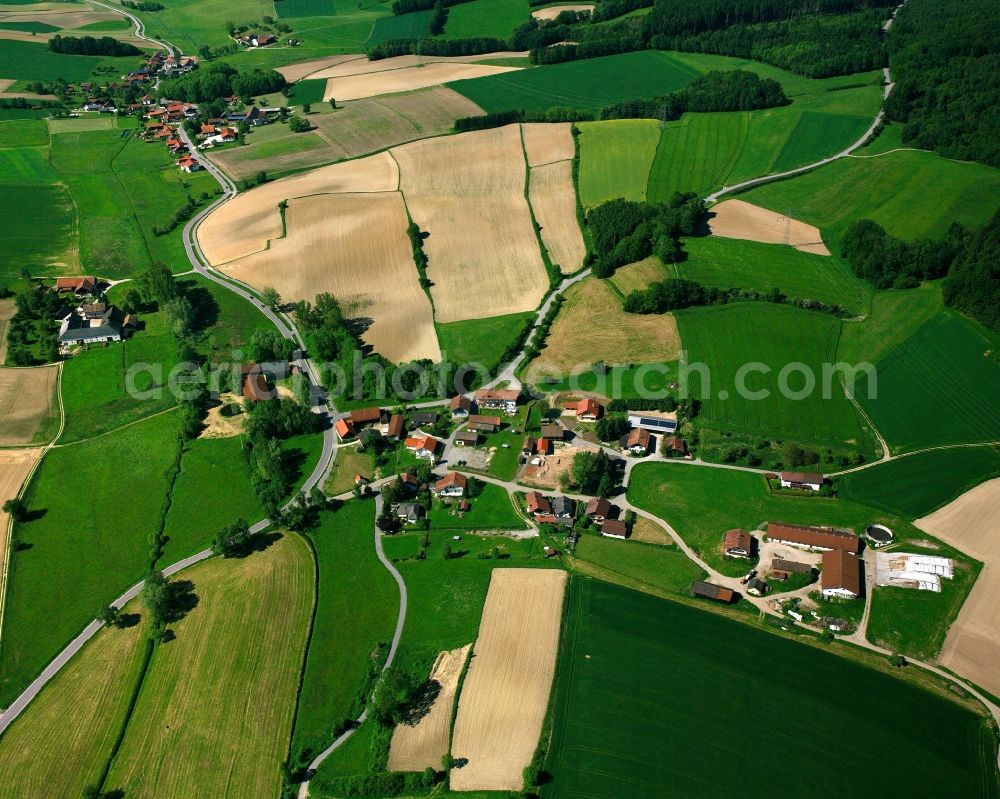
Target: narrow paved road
<point x="140" y="26"/>
<point x="393" y="646"/>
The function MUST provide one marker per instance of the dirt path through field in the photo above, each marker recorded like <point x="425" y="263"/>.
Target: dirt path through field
<point x="972" y="524"/>
<point x="737" y="219"/>
<point x="506" y="690"/>
<point x="426" y="742"/>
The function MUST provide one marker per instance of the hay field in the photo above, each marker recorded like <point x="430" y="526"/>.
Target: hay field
<point x="362" y="66"/>
<point x="73" y="16"/>
<point x="245" y="224"/>
<point x="423" y="745"/>
<point x="61" y="742"/>
<point x="553" y="199"/>
<point x="482" y="251"/>
<point x="356" y="128"/>
<point x="215" y="712"/>
<point x="591" y="326"/>
<point x="506" y="690"/>
<point x="296" y="72"/>
<point x="972" y="647"/>
<point x="615" y="158"/>
<point x="738" y="219"/>
<point x="356" y="87"/>
<point x="554" y="11"/>
<point x="27" y="402"/>
<point x="640" y="274"/>
<point x="7" y="311"/>
<point x="546" y="143"/>
<point x="354" y="246"/>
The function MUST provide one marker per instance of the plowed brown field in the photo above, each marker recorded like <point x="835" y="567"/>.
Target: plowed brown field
<point x="545" y="143"/>
<point x="27" y="400"/>
<point x="737" y="219"/>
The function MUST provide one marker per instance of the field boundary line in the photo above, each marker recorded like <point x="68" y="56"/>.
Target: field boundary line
<point x="117" y="429"/>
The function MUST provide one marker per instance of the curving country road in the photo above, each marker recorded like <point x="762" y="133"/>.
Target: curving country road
<point x="140" y="26"/>
<point x="393" y="646"/>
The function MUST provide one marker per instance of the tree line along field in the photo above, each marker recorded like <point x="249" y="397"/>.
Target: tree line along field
<point x="620" y="729"/>
<point x="727" y="338"/>
<point x="947" y="371"/>
<point x="918" y="484"/>
<point x="26" y="60"/>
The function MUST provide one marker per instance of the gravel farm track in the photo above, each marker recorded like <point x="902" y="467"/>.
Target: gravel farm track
<point x="507" y="375"/>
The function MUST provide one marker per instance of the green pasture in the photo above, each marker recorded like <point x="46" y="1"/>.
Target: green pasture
<point x="914" y="486"/>
<point x="626" y="382"/>
<point x="771" y="337"/>
<point x="293" y="9"/>
<point x="34" y="61"/>
<point x="225" y="321"/>
<point x="306" y="91"/>
<point x="212" y="491"/>
<point x="937" y="387"/>
<point x="733" y="263"/>
<point x="497" y="18"/>
<point x="415" y="25"/>
<point x="624" y="728"/>
<point x="480" y="341"/>
<point x="43" y="246"/>
<point x="356" y="609"/>
<point x="894" y="315"/>
<point x="492" y="509"/>
<point x="26" y="27"/>
<point x="615" y="158"/>
<point x="23" y="133"/>
<point x="890" y="188"/>
<point x="86" y="542"/>
<point x="588" y="84"/>
<point x="652" y="567"/>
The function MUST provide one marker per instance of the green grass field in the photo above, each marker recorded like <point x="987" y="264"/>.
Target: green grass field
<point x="215" y="710"/>
<point x="27" y="27"/>
<point x="589" y="84"/>
<point x="891" y="189"/>
<point x="770" y="336"/>
<point x="226" y="321"/>
<point x="650" y="567"/>
<point x="893" y="317"/>
<point x="87" y="544"/>
<point x="305" y="91"/>
<point x="916" y="485"/>
<point x="496" y="18"/>
<point x="292" y="9"/>
<point x="94" y="690"/>
<point x="938" y="387"/>
<point x="696" y="153"/>
<point x="34" y="61"/>
<point x="732" y="263"/>
<point x="701" y="503"/>
<point x="415" y="25"/>
<point x="345" y="630"/>
<point x="491" y="510"/>
<point x="623" y="728"/>
<point x="24" y="133"/>
<point x="480" y="341"/>
<point x="212" y="491"/>
<point x="615" y="159"/>
<point x="45" y="245"/>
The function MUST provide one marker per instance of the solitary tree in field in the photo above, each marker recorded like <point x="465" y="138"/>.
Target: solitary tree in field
<point x="110" y="615"/>
<point x="270" y="297"/>
<point x="446" y="550"/>
<point x="333" y="103"/>
<point x="15" y="509"/>
<point x="306" y="108"/>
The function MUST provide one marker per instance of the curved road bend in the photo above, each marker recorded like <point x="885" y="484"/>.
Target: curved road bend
<point x="140" y="26"/>
<point x="400" y="621"/>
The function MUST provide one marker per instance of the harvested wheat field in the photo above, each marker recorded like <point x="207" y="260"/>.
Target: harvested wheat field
<point x="649" y="532"/>
<point x="15" y="466"/>
<point x="426" y="742"/>
<point x="506" y="689"/>
<point x="640" y="274"/>
<point x="73" y="16"/>
<point x="736" y="219"/>
<point x="372" y="84"/>
<point x="303" y="69"/>
<point x="28" y="404"/>
<point x="355" y="247"/>
<point x="365" y="67"/>
<point x="547" y="143"/>
<point x="61" y="742"/>
<point x="245" y="224"/>
<point x="553" y="199"/>
<point x="483" y="255"/>
<point x="7" y="311"/>
<point x="972" y="524"/>
<point x="554" y="11"/>
<point x="356" y="128"/>
<point x="591" y="326"/>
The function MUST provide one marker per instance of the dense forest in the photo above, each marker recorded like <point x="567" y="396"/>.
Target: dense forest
<point x="221" y="80"/>
<point x="945" y="59"/>
<point x="973" y="284"/>
<point x="88" y="45"/>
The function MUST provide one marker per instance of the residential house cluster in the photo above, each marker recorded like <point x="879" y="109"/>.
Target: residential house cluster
<point x="92" y="321"/>
<point x="255" y="39"/>
<point x="560" y="510"/>
<point x="390" y="426"/>
<point x="841" y="575"/>
<point x="163" y="118"/>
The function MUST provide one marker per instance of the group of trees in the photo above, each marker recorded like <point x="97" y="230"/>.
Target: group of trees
<point x="973" y="284"/>
<point x="593" y="473"/>
<point x="32" y="333"/>
<point x="675" y="293"/>
<point x="888" y="262"/>
<point x="625" y="231"/>
<point x="88" y="45"/>
<point x="143" y="5"/>
<point x="220" y="79"/>
<point x="437" y="47"/>
<point x="945" y="58"/>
